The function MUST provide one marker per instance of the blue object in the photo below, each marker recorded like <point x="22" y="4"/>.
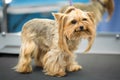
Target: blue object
<point x="15" y="22"/>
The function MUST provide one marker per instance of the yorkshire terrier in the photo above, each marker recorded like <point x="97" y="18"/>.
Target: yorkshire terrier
<point x="98" y="7"/>
<point x="51" y="42"/>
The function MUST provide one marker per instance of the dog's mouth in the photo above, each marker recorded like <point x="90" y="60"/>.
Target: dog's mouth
<point x="77" y="34"/>
<point x="86" y="31"/>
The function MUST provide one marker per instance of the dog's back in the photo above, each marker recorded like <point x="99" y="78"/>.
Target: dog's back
<point x="38" y="25"/>
<point x="40" y="31"/>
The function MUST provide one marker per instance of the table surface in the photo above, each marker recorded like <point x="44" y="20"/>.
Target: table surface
<point x="95" y="67"/>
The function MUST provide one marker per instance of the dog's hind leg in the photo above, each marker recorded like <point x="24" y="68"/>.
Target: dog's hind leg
<point x="27" y="49"/>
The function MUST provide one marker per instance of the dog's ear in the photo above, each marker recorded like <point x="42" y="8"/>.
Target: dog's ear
<point x="58" y="16"/>
<point x="110" y="8"/>
<point x="92" y="16"/>
<point x="61" y="20"/>
<point x="69" y="9"/>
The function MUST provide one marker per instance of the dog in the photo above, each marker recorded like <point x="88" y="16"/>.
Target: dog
<point x="98" y="7"/>
<point x="52" y="42"/>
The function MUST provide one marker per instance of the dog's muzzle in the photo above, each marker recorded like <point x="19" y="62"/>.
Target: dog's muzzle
<point x="81" y="28"/>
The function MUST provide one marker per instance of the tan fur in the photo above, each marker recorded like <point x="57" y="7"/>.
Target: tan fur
<point x="51" y="42"/>
<point x="98" y="7"/>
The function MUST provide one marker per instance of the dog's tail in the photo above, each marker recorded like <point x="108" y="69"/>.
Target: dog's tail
<point x="108" y="5"/>
<point x="110" y="8"/>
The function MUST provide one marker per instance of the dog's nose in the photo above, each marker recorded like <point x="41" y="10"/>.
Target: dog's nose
<point x="81" y="27"/>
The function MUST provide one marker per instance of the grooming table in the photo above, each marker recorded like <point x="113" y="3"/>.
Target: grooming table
<point x="95" y="67"/>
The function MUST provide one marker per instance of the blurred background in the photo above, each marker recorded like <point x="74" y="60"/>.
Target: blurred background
<point x="14" y="13"/>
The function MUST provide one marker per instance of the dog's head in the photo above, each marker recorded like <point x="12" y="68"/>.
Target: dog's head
<point x="75" y="24"/>
<point x="108" y="5"/>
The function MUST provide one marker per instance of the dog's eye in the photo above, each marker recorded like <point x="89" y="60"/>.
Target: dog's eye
<point x="73" y="21"/>
<point x="84" y="19"/>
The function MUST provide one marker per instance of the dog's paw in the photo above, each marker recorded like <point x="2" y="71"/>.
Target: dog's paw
<point x="60" y="74"/>
<point x="24" y="69"/>
<point x="56" y="74"/>
<point x="74" y="67"/>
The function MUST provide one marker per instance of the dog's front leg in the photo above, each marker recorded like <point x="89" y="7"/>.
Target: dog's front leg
<point x="54" y="63"/>
<point x="72" y="65"/>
